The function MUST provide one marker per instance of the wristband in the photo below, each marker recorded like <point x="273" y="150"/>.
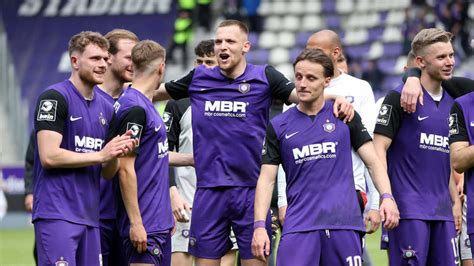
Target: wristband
<point x="258" y="224"/>
<point x="414" y="72"/>
<point x="386" y="196"/>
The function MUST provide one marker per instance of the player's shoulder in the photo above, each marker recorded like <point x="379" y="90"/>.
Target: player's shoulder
<point x="466" y="99"/>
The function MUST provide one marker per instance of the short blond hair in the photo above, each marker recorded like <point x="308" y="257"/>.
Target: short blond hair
<point x="78" y="42"/>
<point x="115" y="35"/>
<point x="144" y="53"/>
<point x="426" y="37"/>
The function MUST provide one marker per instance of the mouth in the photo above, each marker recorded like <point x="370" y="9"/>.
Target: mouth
<point x="224" y="57"/>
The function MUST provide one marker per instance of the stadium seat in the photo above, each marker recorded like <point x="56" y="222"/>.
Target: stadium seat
<point x="313" y="7"/>
<point x="265" y="8"/>
<point x="253" y="38"/>
<point x="286" y="39"/>
<point x="273" y="23"/>
<point x="392" y="49"/>
<point x="302" y="37"/>
<point x="258" y="56"/>
<point x="344" y="7"/>
<point x="279" y="8"/>
<point x="296" y="8"/>
<point x="291" y="23"/>
<point x="287" y="70"/>
<point x="268" y="39"/>
<point x="395" y="17"/>
<point x="401" y="62"/>
<point x="392" y="34"/>
<point x="278" y="56"/>
<point x="375" y="51"/>
<point x="470" y="11"/>
<point x="356" y="37"/>
<point x="312" y="23"/>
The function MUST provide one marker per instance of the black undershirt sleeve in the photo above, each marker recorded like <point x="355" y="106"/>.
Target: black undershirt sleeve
<point x="359" y="134"/>
<point x="458" y="86"/>
<point x="271" y="147"/>
<point x="29" y="162"/>
<point x="457" y="125"/>
<point x="51" y="112"/>
<point x="173" y="128"/>
<point x="280" y="86"/>
<point x="178" y="89"/>
<point x="134" y="120"/>
<point x="390" y="116"/>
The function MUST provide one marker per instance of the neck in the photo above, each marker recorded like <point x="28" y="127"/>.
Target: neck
<point x="337" y="72"/>
<point x="112" y="86"/>
<point x="311" y="108"/>
<point x="236" y="71"/>
<point x="431" y="85"/>
<point x="146" y="85"/>
<point x="85" y="88"/>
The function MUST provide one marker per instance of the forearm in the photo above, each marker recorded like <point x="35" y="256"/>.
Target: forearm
<point x="180" y="159"/>
<point x="462" y="159"/>
<point x="373" y="194"/>
<point x="380" y="178"/>
<point x="452" y="190"/>
<point x="281" y="185"/>
<point x="62" y="158"/>
<point x="128" y="190"/>
<point x="161" y="94"/>
<point x="264" y="191"/>
<point x="110" y="168"/>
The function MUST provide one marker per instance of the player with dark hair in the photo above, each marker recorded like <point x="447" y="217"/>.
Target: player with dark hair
<point x="71" y="123"/>
<point x="314" y="149"/>
<point x="415" y="149"/>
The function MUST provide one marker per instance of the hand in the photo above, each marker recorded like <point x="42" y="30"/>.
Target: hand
<point x="389" y="213"/>
<point x="118" y="146"/>
<point x="457" y="214"/>
<point x="180" y="208"/>
<point x="343" y="109"/>
<point x="282" y="214"/>
<point x="411" y="93"/>
<point x="29" y="202"/>
<point x="138" y="237"/>
<point x="275" y="223"/>
<point x="260" y="244"/>
<point x="372" y="219"/>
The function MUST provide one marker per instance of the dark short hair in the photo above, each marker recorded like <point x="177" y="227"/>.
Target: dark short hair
<point x="115" y="35"/>
<point x="319" y="57"/>
<point x="205" y="48"/>
<point x="233" y="22"/>
<point x="79" y="41"/>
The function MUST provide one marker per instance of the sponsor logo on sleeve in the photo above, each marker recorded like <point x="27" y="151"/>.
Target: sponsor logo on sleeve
<point x="453" y="124"/>
<point x="384" y="115"/>
<point x="168" y="120"/>
<point x="47" y="110"/>
<point x="136" y="130"/>
<point x="264" y="147"/>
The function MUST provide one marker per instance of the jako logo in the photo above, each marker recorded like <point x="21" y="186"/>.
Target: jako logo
<point x="434" y="140"/>
<point x="225" y="106"/>
<point x="314" y="149"/>
<point x="88" y="143"/>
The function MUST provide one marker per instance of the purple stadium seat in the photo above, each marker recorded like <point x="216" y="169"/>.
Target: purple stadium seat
<point x="253" y="38"/>
<point x="391" y="82"/>
<point x="294" y="52"/>
<point x="333" y="22"/>
<point x="386" y="65"/>
<point x="258" y="56"/>
<point x="393" y="49"/>
<point x="357" y="51"/>
<point x="302" y="37"/>
<point x="375" y="34"/>
<point x="329" y="7"/>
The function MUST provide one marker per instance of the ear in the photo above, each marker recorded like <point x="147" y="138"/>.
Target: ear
<point x="336" y="52"/>
<point x="74" y="62"/>
<point x="327" y="80"/>
<point x="420" y="62"/>
<point x="161" y="69"/>
<point x="246" y="47"/>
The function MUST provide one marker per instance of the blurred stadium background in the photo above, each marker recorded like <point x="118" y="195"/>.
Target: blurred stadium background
<point x="376" y="37"/>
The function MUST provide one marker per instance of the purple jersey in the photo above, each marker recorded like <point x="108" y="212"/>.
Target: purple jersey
<point x="108" y="203"/>
<point x="70" y="194"/>
<point x="315" y="153"/>
<point x="461" y="123"/>
<point x="418" y="157"/>
<point x="229" y="117"/>
<point x="151" y="163"/>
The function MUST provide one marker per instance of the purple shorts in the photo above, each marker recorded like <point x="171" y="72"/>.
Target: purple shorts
<point x="59" y="241"/>
<point x="320" y="247"/>
<point x="158" y="250"/>
<point x="110" y="244"/>
<point x="215" y="211"/>
<point x="422" y="242"/>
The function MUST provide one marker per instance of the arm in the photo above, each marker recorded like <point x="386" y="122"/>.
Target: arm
<point x="388" y="208"/>
<point x="412" y="91"/>
<point x="282" y="202"/>
<point x="457" y="206"/>
<point x="29" y="162"/>
<point x="160" y="93"/>
<point x="263" y="196"/>
<point x="128" y="190"/>
<point x="179" y="206"/>
<point x="175" y="89"/>
<point x="180" y="159"/>
<point x="341" y="108"/>
<point x="461" y="153"/>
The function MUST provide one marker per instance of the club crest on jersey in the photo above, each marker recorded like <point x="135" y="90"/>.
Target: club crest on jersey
<point x="453" y="124"/>
<point x="47" y="110"/>
<point x="192" y="241"/>
<point x="244" y="87"/>
<point x="329" y="127"/>
<point x="136" y="130"/>
<point x="156" y="251"/>
<point x="185" y="233"/>
<point x="384" y="115"/>
<point x="61" y="262"/>
<point x="103" y="121"/>
<point x="168" y="120"/>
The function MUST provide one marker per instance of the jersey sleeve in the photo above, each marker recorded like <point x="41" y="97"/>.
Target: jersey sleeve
<point x="178" y="89"/>
<point x="280" y="86"/>
<point x="135" y="120"/>
<point x="359" y="134"/>
<point x="173" y="128"/>
<point x="458" y="86"/>
<point x="457" y="125"/>
<point x="29" y="162"/>
<point x="271" y="147"/>
<point x="390" y="116"/>
<point x="51" y="112"/>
